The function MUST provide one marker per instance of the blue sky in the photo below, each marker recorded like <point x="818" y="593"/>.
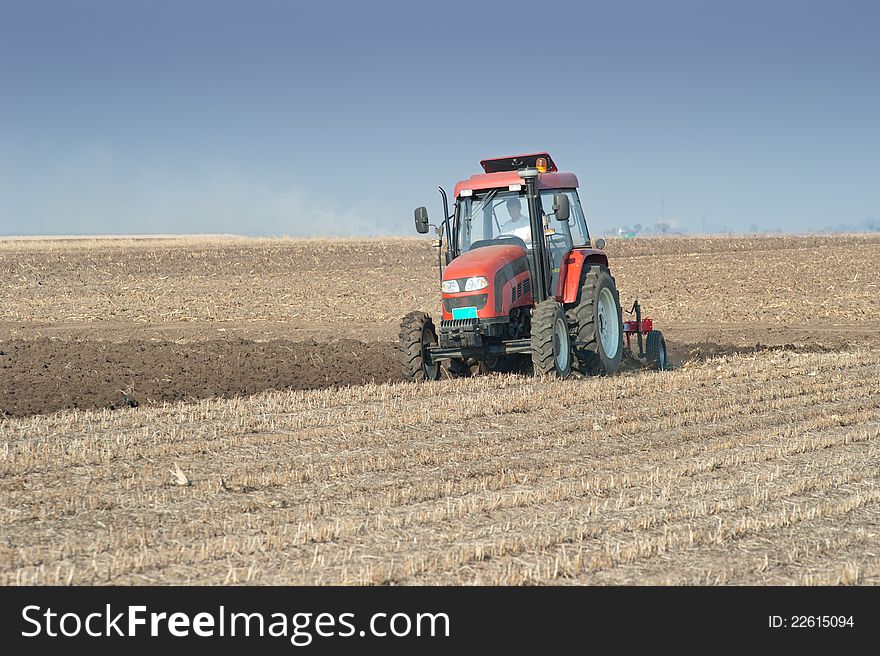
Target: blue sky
<point x="300" y="118"/>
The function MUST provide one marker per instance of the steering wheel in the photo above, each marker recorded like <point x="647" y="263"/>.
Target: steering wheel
<point x="500" y="240"/>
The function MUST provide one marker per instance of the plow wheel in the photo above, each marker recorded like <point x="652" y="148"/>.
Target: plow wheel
<point x="551" y="344"/>
<point x="599" y="327"/>
<point x="417" y="335"/>
<point x="655" y="351"/>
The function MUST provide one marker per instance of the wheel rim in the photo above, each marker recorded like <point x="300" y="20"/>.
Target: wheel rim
<point x="609" y="323"/>
<point x="661" y="356"/>
<point x="561" y="345"/>
<point x="428" y="340"/>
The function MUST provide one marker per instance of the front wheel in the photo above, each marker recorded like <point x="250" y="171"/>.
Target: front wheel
<point x="417" y="335"/>
<point x="551" y="344"/>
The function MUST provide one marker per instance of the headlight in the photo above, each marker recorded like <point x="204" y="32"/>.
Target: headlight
<point x="450" y="287"/>
<point x="475" y="283"/>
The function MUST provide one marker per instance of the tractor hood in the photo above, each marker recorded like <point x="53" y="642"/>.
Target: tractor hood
<point x="505" y="270"/>
<point x="485" y="261"/>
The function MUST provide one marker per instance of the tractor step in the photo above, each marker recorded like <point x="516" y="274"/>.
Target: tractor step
<point x="504" y="348"/>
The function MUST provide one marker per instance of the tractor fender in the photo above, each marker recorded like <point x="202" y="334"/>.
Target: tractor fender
<point x="571" y="271"/>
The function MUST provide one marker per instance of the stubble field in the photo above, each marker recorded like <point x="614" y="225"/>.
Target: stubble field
<point x="273" y="443"/>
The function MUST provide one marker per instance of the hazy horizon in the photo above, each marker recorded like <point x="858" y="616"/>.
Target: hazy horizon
<point x="276" y="118"/>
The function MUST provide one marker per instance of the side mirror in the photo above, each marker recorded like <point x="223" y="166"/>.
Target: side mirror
<point x="600" y="243"/>
<point x="421" y="215"/>
<point x="561" y="207"/>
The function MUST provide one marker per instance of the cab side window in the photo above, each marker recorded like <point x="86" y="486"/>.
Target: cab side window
<point x="577" y="223"/>
<point x="563" y="235"/>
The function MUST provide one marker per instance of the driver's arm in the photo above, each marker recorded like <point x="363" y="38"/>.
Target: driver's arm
<point x="523" y="232"/>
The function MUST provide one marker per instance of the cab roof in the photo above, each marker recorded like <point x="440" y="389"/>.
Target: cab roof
<point x="502" y="172"/>
<point x="517" y="162"/>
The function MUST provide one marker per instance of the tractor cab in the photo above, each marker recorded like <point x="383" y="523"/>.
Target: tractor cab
<point x="521" y="203"/>
<point x="502" y="216"/>
<point x="522" y="276"/>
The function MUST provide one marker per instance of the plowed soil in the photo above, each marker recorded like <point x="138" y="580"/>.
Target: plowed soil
<point x="43" y="375"/>
<point x="91" y="323"/>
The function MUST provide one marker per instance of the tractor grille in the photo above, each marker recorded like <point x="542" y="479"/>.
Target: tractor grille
<point x="477" y="300"/>
<point x="458" y="323"/>
<point x="460" y="333"/>
<point x="520" y="290"/>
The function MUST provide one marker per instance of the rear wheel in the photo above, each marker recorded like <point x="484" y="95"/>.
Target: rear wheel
<point x="599" y="327"/>
<point x="551" y="344"/>
<point x="417" y="335"/>
<point x="655" y="350"/>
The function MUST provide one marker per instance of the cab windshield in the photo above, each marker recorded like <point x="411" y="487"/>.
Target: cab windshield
<point x="500" y="214"/>
<point x="491" y="215"/>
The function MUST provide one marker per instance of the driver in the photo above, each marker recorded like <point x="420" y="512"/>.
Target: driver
<point x="519" y="223"/>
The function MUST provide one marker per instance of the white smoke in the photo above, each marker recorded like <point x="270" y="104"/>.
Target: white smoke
<point x="94" y="191"/>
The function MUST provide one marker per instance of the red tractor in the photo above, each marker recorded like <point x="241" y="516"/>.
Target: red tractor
<point x="523" y="280"/>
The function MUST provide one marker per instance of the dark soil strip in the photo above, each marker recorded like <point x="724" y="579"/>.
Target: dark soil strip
<point x="43" y="375"/>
